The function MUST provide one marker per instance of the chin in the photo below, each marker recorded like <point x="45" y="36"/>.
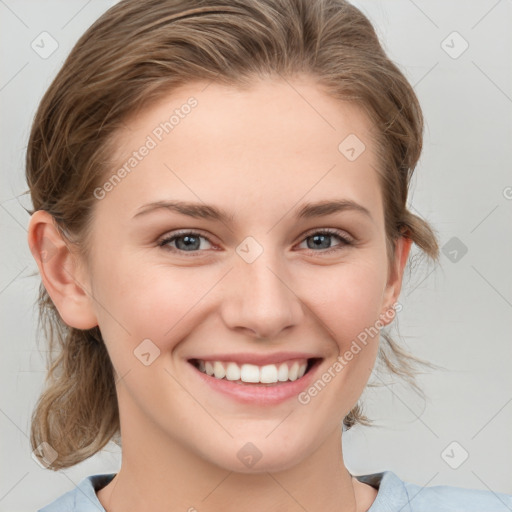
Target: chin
<point x="257" y="457"/>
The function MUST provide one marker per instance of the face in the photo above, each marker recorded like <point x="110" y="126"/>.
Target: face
<point x="252" y="270"/>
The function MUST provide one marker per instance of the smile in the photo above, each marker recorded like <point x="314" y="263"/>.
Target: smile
<point x="256" y="380"/>
<point x="250" y="373"/>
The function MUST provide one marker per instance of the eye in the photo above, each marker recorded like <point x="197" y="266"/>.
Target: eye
<point x="322" y="240"/>
<point x="185" y="241"/>
<point x="190" y="241"/>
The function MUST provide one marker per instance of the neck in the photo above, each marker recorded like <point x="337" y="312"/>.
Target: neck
<point x="160" y="474"/>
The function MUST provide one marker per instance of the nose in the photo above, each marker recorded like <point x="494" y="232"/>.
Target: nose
<point x="259" y="298"/>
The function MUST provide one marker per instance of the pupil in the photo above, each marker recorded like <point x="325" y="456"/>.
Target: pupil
<point x="320" y="239"/>
<point x="188" y="242"/>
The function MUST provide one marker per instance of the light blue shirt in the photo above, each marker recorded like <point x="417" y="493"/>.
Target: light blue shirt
<point x="394" y="495"/>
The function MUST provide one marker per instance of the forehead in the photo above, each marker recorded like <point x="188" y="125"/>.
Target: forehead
<point x="276" y="141"/>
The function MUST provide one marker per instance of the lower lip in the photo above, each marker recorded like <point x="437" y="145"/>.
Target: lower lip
<point x="259" y="394"/>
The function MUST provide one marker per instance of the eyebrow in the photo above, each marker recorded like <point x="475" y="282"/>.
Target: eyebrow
<point x="210" y="212"/>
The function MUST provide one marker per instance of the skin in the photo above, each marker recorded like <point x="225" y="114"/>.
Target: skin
<point x="260" y="154"/>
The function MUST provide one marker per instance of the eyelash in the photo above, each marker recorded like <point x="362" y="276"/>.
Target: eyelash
<point x="327" y="231"/>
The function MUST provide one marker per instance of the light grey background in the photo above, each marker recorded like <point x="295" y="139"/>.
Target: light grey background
<point x="458" y="315"/>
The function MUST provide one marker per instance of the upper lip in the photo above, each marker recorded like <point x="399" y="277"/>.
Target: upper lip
<point x="257" y="359"/>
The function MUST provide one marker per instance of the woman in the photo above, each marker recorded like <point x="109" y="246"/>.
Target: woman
<point x="221" y="228"/>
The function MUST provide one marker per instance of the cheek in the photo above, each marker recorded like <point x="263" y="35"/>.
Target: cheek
<point x="348" y="303"/>
<point x="347" y="298"/>
<point x="140" y="302"/>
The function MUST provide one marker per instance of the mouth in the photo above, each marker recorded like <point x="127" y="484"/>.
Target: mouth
<point x="268" y="375"/>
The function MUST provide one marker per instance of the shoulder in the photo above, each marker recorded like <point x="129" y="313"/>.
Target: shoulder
<point x="394" y="494"/>
<point x="83" y="497"/>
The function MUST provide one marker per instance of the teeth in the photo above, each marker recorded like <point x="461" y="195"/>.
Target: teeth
<point x="233" y="371"/>
<point x="218" y="370"/>
<point x="268" y="374"/>
<point x="293" y="371"/>
<point x="250" y="373"/>
<point x="282" y="374"/>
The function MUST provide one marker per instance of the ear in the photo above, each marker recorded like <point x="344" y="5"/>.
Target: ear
<point x="394" y="284"/>
<point x="60" y="271"/>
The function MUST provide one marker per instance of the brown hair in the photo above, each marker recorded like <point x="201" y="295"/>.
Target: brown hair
<point x="133" y="55"/>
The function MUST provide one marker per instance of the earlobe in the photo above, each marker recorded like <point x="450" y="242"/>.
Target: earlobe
<point x="394" y="284"/>
<point x="60" y="272"/>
